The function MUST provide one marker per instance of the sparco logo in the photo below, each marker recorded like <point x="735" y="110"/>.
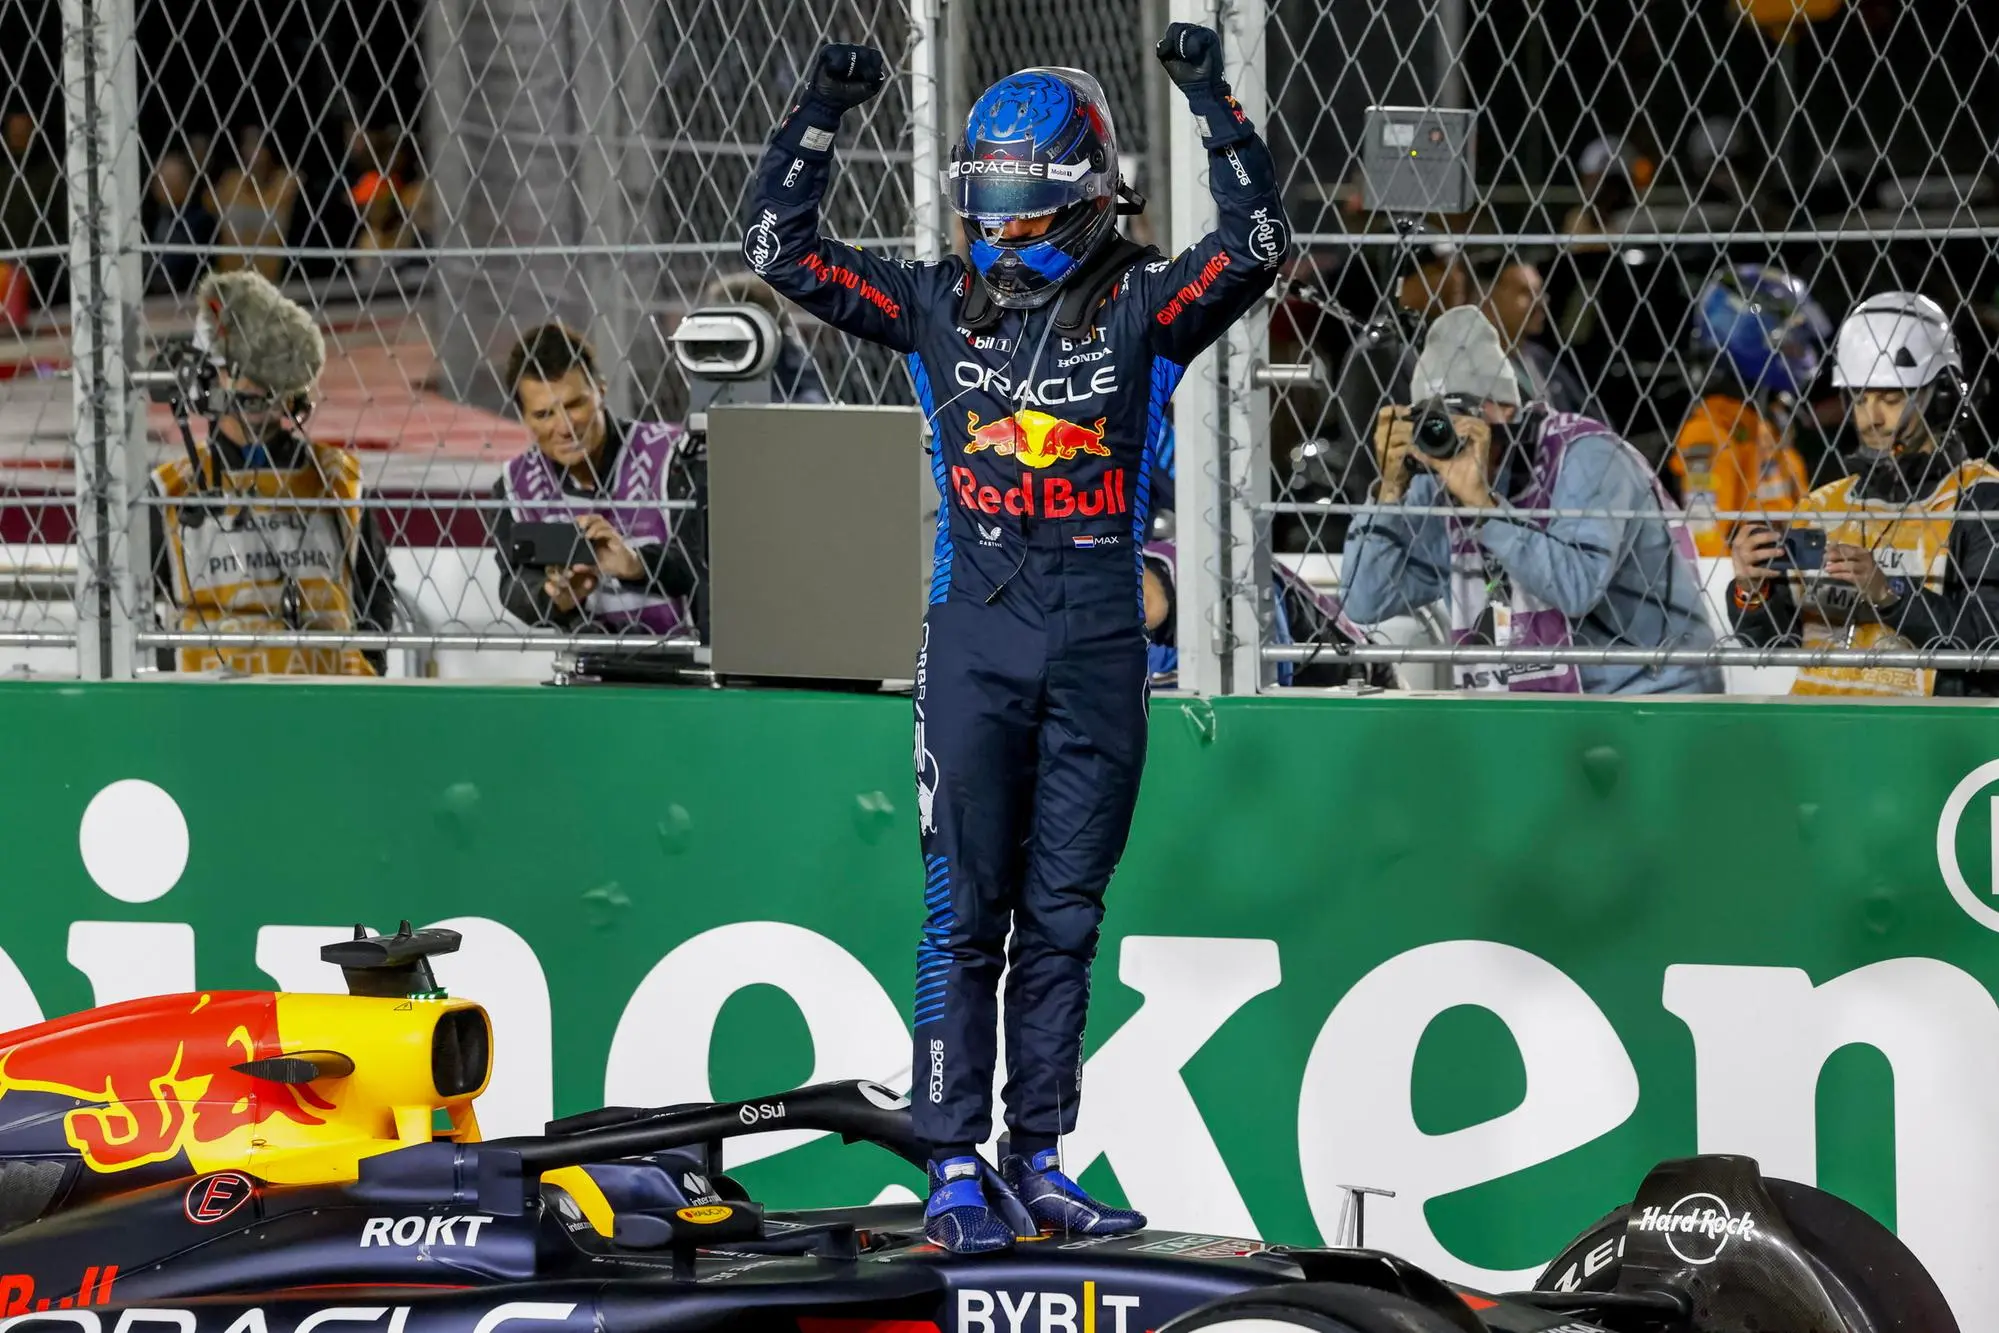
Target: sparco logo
<point x="755" y="1112"/>
<point x="936" y="1070"/>
<point x="760" y="244"/>
<point x="1698" y="1227"/>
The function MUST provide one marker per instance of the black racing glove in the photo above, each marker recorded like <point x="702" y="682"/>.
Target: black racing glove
<point x="842" y="78"/>
<point x="845" y="76"/>
<point x="1192" y="56"/>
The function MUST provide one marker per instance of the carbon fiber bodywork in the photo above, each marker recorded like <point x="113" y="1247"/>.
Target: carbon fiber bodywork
<point x="1750" y="1252"/>
<point x="467" y="1238"/>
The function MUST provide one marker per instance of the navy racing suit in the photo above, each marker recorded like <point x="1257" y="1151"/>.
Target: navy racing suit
<point x="1031" y="677"/>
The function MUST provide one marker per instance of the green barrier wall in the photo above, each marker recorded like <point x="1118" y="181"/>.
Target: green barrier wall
<point x="1499" y="956"/>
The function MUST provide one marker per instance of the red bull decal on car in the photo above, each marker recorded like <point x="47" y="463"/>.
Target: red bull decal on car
<point x="17" y="1292"/>
<point x="168" y="1084"/>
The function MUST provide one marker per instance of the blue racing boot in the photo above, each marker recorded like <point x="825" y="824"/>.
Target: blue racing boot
<point x="958" y="1216"/>
<point x="1057" y="1203"/>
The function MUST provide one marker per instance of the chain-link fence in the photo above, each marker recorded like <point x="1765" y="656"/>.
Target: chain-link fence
<point x="38" y="570"/>
<point x="1675" y="209"/>
<point x="431" y="180"/>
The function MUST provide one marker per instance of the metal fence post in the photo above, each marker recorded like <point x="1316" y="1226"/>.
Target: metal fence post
<point x="1221" y="416"/>
<point x="448" y="154"/>
<point x="928" y="70"/>
<point x="1245" y="548"/>
<point x="598" y="55"/>
<point x="100" y="94"/>
<point x="1157" y="103"/>
<point x="1199" y="437"/>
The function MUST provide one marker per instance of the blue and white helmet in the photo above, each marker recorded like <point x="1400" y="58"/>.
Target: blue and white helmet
<point x="1039" y="143"/>
<point x="1762" y="323"/>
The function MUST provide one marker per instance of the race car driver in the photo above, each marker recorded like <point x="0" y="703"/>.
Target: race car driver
<point x="1044" y="365"/>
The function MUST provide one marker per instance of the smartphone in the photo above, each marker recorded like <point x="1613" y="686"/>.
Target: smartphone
<point x="542" y="545"/>
<point x="1804" y="548"/>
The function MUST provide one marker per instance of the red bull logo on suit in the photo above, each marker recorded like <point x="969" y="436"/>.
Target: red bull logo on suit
<point x="1036" y="438"/>
<point x="1038" y="441"/>
<point x="1057" y="497"/>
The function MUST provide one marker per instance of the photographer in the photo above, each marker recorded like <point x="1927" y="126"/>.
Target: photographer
<point x="1881" y="558"/>
<point x="1513" y="578"/>
<point x="646" y="558"/>
<point x="259" y="563"/>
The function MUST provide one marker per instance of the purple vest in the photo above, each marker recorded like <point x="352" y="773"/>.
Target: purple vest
<point x="1522" y="620"/>
<point x="535" y="486"/>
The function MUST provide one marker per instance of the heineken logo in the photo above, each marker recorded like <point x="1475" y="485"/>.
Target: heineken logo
<point x="1241" y="1069"/>
<point x="1980" y="903"/>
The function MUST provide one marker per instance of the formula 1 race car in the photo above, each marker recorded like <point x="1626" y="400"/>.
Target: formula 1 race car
<point x="244" y="1162"/>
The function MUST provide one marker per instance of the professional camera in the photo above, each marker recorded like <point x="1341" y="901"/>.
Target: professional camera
<point x="181" y="375"/>
<point x="1430" y="424"/>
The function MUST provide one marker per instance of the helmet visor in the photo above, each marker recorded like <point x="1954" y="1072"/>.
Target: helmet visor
<point x="1001" y="187"/>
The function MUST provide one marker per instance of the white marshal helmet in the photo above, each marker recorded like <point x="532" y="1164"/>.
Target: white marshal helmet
<point x="1897" y="340"/>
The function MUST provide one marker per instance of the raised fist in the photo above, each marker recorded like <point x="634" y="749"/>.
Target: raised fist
<point x="846" y="76"/>
<point x="1192" y="55"/>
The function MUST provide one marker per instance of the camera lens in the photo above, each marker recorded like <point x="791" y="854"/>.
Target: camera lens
<point x="1434" y="435"/>
<point x="179" y="371"/>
